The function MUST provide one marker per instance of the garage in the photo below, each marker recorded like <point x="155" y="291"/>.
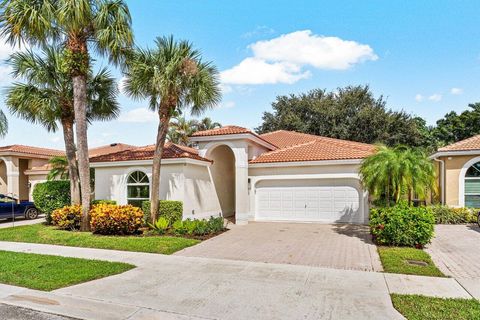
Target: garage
<point x="328" y="201"/>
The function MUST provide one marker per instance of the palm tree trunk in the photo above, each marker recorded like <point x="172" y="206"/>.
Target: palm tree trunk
<point x="164" y="116"/>
<point x="80" y="108"/>
<point x="69" y="139"/>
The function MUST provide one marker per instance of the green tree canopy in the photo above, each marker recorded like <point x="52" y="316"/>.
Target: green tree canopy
<point x="351" y="113"/>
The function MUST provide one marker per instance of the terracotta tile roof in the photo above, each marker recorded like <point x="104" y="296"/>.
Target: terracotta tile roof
<point x="472" y="143"/>
<point x="222" y="131"/>
<point x="295" y="146"/>
<point x="109" y="148"/>
<point x="170" y="151"/>
<point x="17" y="148"/>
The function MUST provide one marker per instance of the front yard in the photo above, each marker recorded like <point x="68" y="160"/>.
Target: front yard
<point x="408" y="261"/>
<point x="45" y="272"/>
<point x="40" y="233"/>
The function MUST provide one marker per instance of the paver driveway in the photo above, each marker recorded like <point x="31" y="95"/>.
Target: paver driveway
<point x="311" y="244"/>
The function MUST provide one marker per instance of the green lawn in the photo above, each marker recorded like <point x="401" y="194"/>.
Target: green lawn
<point x="394" y="260"/>
<point x="415" y="307"/>
<point x="39" y="233"/>
<point x="44" y="272"/>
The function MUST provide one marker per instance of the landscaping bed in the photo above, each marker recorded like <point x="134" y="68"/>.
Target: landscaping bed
<point x="408" y="261"/>
<point x="416" y="307"/>
<point x="40" y="233"/>
<point x="46" y="272"/>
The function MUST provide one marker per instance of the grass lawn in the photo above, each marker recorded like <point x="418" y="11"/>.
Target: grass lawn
<point x="394" y="260"/>
<point x="415" y="307"/>
<point x="44" y="272"/>
<point x="39" y="233"/>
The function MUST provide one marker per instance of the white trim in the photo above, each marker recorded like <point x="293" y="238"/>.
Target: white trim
<point x="255" y="179"/>
<point x="249" y="136"/>
<point x="461" y="180"/>
<point x="454" y="153"/>
<point x="305" y="163"/>
<point x="148" y="162"/>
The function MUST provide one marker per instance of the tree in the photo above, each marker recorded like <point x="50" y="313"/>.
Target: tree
<point x="207" y="124"/>
<point x="3" y="124"/>
<point x="46" y="97"/>
<point x="351" y="113"/>
<point x="171" y="76"/>
<point x="391" y="173"/>
<point x="79" y="25"/>
<point x="180" y="130"/>
<point x="60" y="169"/>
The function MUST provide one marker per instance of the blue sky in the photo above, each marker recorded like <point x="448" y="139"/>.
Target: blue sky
<point x="423" y="56"/>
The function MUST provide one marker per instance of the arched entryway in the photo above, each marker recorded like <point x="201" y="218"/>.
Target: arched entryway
<point x="223" y="175"/>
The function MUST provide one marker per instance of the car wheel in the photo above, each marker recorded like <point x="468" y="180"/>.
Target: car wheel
<point x="31" y="213"/>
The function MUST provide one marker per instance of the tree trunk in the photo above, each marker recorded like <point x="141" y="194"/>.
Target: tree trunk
<point x="70" y="151"/>
<point x="80" y="108"/>
<point x="164" y="115"/>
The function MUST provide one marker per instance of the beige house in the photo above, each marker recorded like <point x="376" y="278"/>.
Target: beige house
<point x="458" y="168"/>
<point x="21" y="167"/>
<point x="233" y="172"/>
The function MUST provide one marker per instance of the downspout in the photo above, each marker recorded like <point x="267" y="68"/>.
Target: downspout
<point x="442" y="179"/>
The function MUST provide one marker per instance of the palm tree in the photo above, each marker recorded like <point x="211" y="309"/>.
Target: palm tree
<point x="391" y="173"/>
<point x="207" y="124"/>
<point x="3" y="124"/>
<point x="180" y="130"/>
<point x="46" y="98"/>
<point x="60" y="169"/>
<point x="171" y="76"/>
<point x="79" y="25"/>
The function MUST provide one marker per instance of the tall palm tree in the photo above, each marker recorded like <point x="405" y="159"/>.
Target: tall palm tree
<point x="180" y="130"/>
<point x="79" y="25"/>
<point x="60" y="169"/>
<point x="207" y="124"/>
<point x="3" y="124"/>
<point x="46" y="97"/>
<point x="171" y="76"/>
<point x="391" y="173"/>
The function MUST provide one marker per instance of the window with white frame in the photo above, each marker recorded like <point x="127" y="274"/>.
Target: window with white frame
<point x="472" y="186"/>
<point x="138" y="188"/>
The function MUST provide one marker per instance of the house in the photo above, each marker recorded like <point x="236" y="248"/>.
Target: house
<point x="21" y="167"/>
<point x="458" y="166"/>
<point x="234" y="172"/>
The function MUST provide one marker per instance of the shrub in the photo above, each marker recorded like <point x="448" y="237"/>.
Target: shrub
<point x="190" y="226"/>
<point x="449" y="215"/>
<point x="178" y="227"/>
<point x="201" y="228"/>
<point x="170" y="209"/>
<point x="160" y="226"/>
<point x="115" y="220"/>
<point x="215" y="224"/>
<point x="68" y="217"/>
<point x="51" y="195"/>
<point x="103" y="201"/>
<point x="402" y="225"/>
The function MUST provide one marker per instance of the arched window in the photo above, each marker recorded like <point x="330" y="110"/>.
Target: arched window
<point x="472" y="186"/>
<point x="138" y="188"/>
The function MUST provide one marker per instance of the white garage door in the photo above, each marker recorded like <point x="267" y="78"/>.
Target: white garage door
<point x="331" y="201"/>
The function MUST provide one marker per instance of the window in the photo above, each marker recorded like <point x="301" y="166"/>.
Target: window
<point x="472" y="186"/>
<point x="138" y="188"/>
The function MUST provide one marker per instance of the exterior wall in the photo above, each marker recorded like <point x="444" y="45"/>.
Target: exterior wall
<point x="23" y="190"/>
<point x="453" y="167"/>
<point x="3" y="178"/>
<point x="223" y="175"/>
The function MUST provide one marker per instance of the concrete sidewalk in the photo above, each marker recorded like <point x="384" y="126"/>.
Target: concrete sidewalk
<point x="20" y="222"/>
<point x="175" y="287"/>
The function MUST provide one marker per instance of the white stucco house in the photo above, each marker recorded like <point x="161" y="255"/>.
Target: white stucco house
<point x="278" y="176"/>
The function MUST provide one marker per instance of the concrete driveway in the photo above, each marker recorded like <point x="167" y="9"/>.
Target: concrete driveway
<point x="310" y="244"/>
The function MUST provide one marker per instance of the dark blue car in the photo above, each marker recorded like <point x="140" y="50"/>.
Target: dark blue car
<point x="10" y="207"/>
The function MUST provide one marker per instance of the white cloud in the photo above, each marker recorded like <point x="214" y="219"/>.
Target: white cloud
<point x="227" y="105"/>
<point x="258" y="31"/>
<point x="121" y="85"/>
<point x="139" y="115"/>
<point x="435" y="97"/>
<point x="419" y="97"/>
<point x="225" y="88"/>
<point x="456" y="91"/>
<point x="283" y="59"/>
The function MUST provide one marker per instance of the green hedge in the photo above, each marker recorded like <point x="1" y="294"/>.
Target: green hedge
<point x="51" y="195"/>
<point x="449" y="215"/>
<point x="171" y="210"/>
<point x="402" y="225"/>
<point x="102" y="201"/>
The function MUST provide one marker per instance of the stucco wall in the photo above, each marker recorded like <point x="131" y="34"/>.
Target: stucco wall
<point x="223" y="174"/>
<point x="3" y="178"/>
<point x="453" y="166"/>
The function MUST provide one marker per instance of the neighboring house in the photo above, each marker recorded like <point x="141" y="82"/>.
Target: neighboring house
<point x="458" y="168"/>
<point x="21" y="167"/>
<point x="278" y="176"/>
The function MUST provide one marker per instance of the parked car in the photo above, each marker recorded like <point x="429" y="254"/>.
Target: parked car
<point x="11" y="207"/>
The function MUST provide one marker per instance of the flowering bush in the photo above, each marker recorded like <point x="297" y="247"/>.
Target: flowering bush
<point x="115" y="220"/>
<point x="68" y="217"/>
